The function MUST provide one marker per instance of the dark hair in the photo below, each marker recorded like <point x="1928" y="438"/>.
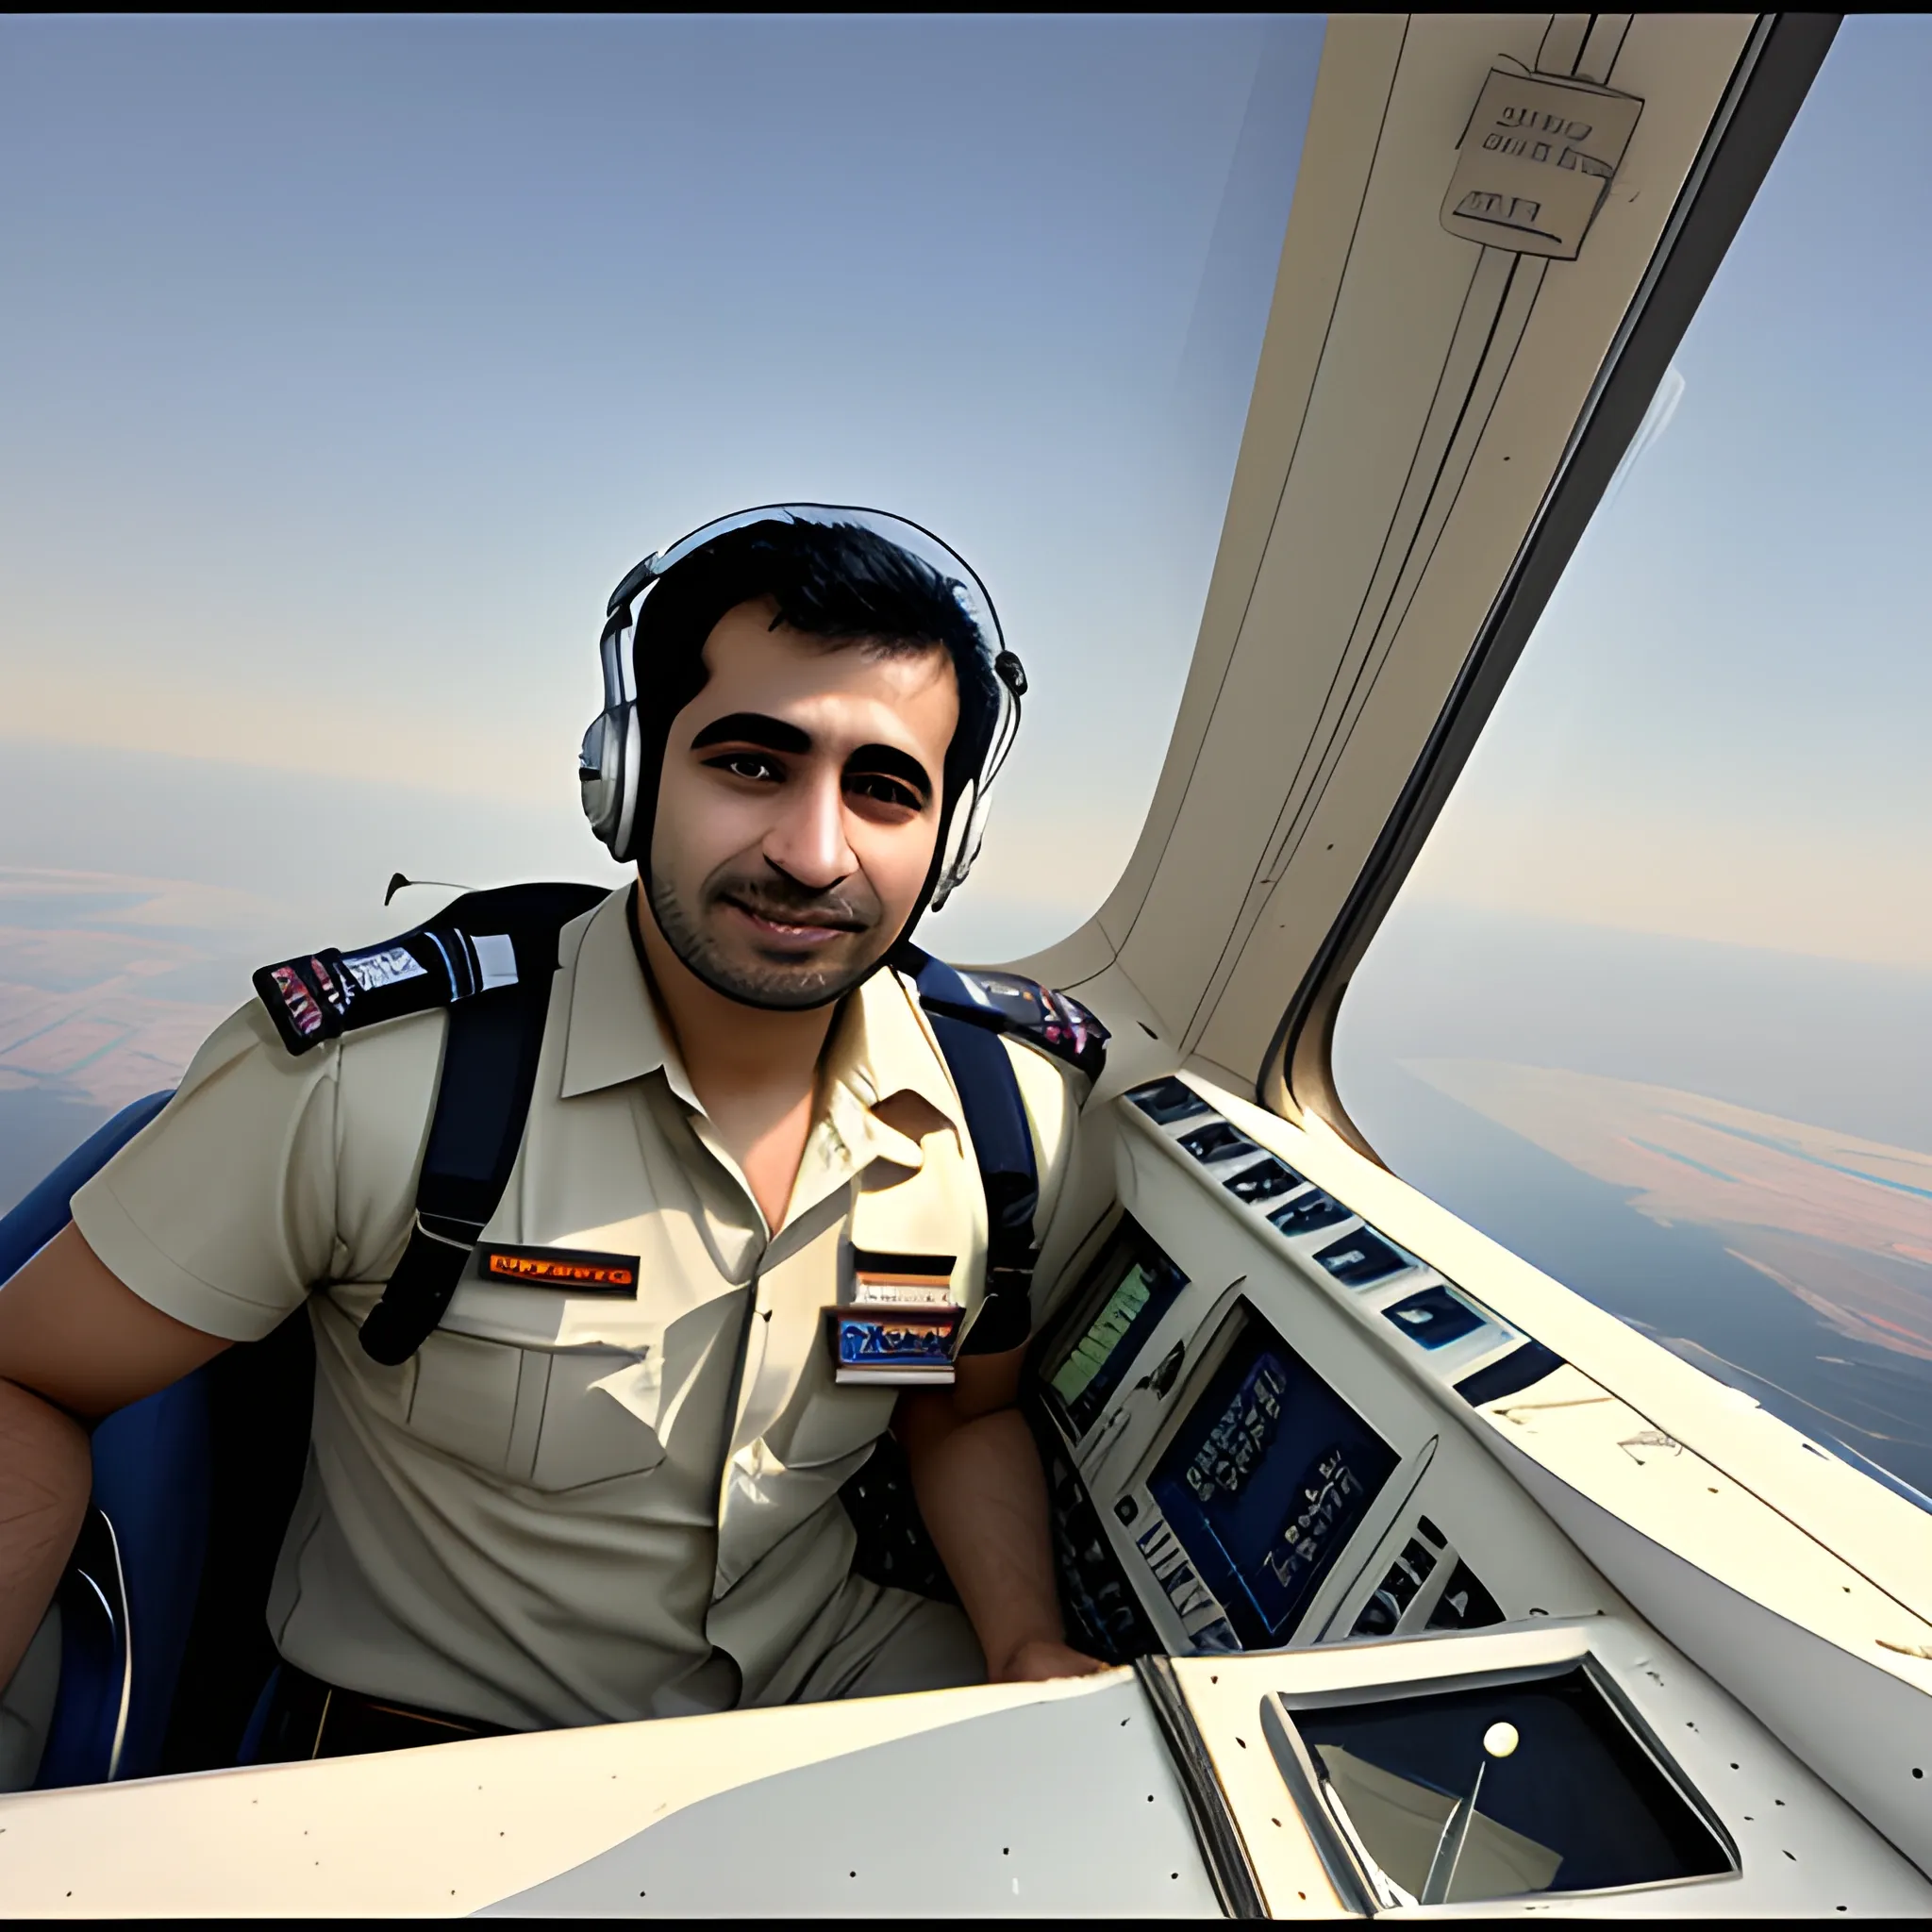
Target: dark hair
<point x="839" y="582"/>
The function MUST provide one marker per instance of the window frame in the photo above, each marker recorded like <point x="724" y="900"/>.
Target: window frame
<point x="1766" y="93"/>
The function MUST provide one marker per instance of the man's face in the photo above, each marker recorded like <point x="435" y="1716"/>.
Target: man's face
<point x="798" y="809"/>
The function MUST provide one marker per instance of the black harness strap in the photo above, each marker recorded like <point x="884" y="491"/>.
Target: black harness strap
<point x="996" y="1119"/>
<point x="495" y="1037"/>
<point x="482" y="1100"/>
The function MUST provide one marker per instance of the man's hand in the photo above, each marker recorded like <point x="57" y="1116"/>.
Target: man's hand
<point x="977" y="1477"/>
<point x="1039" y="1658"/>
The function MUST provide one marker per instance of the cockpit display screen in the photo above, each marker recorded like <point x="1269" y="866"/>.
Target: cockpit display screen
<point x="1133" y="1284"/>
<point x="1265" y="1482"/>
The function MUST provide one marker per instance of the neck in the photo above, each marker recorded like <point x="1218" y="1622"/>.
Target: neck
<point x="730" y="1051"/>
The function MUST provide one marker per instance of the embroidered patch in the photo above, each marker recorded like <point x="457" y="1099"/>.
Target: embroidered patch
<point x="577" y="1270"/>
<point x="319" y="996"/>
<point x="892" y="1345"/>
<point x="297" y="1001"/>
<point x="333" y="987"/>
<point x="1055" y="1021"/>
<point x="384" y="967"/>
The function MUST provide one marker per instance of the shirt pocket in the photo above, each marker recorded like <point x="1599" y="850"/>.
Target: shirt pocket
<point x="463" y="1399"/>
<point x="583" y="1433"/>
<point x="528" y="1414"/>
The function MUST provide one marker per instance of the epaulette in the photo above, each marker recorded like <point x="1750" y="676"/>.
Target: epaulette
<point x="1056" y="1023"/>
<point x="479" y="944"/>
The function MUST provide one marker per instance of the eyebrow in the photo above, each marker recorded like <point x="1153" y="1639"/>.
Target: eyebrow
<point x="889" y="762"/>
<point x="753" y="727"/>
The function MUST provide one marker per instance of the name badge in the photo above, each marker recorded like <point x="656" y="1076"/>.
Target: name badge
<point x="901" y="1328"/>
<point x="576" y="1269"/>
<point x="894" y="1345"/>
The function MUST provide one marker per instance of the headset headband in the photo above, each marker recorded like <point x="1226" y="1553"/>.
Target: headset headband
<point x="610" y="766"/>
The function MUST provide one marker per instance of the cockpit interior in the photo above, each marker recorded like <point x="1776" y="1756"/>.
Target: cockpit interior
<point x="1426" y="1585"/>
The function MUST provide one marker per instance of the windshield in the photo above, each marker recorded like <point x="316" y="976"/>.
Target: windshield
<point x="1655" y="1008"/>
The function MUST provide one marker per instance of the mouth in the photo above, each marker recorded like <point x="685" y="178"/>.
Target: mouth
<point x="792" y="935"/>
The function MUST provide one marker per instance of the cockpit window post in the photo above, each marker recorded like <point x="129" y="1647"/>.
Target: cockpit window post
<point x="1773" y="77"/>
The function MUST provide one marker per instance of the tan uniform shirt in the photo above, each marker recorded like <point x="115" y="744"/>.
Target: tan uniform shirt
<point x="566" y="1510"/>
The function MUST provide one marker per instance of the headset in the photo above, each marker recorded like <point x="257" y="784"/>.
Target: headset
<point x="610" y="765"/>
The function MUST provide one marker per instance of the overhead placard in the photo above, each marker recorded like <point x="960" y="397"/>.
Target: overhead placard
<point x="1535" y="161"/>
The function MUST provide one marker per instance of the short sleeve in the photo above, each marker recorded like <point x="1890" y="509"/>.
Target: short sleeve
<point x="222" y="1211"/>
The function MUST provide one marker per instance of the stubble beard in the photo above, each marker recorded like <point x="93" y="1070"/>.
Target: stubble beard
<point x="773" y="985"/>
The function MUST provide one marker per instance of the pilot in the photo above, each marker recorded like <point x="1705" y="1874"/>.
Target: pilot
<point x="606" y="1486"/>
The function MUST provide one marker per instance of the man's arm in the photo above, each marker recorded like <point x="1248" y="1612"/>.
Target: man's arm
<point x="976" y="1473"/>
<point x="75" y="1346"/>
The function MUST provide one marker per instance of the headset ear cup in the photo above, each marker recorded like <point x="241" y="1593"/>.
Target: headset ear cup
<point x="957" y="860"/>
<point x="594" y="775"/>
<point x="625" y="742"/>
<point x="607" y="773"/>
<point x="967" y="826"/>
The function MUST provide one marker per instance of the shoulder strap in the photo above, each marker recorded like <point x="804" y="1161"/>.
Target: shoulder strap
<point x="490" y="958"/>
<point x="1054" y="1022"/>
<point x="468" y="948"/>
<point x="969" y="1012"/>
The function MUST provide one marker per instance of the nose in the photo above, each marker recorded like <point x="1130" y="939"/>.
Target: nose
<point x="808" y="838"/>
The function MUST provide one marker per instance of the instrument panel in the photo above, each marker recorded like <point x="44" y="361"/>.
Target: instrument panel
<point x="1249" y="1402"/>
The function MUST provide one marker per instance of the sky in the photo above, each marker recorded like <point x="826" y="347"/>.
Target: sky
<point x="351" y="362"/>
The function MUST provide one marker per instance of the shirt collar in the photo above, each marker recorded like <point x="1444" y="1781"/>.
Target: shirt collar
<point x="882" y="1045"/>
<point x="615" y="1034"/>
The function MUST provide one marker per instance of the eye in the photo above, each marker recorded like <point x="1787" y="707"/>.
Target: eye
<point x="757" y="766"/>
<point x="882" y="790"/>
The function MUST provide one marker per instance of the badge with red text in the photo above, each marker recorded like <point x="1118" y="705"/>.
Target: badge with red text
<point x="577" y="1271"/>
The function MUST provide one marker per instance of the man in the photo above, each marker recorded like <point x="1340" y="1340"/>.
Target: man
<point x="569" y="1506"/>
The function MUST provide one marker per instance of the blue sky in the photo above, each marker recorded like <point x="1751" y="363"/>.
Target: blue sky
<point x="350" y="361"/>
